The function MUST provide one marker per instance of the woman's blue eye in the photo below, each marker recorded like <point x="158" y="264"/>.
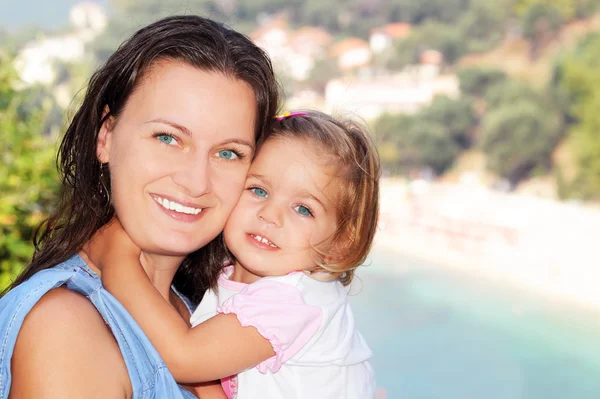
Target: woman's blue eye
<point x="166" y="138"/>
<point x="227" y="154"/>
<point x="259" y="192"/>
<point x="302" y="210"/>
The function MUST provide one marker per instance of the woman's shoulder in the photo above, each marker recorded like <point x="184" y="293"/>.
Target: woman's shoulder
<point x="50" y="333"/>
<point x="62" y="335"/>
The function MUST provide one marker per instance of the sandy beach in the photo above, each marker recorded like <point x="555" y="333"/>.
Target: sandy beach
<point x="540" y="245"/>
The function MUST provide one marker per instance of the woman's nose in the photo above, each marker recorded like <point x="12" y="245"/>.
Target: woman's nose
<point x="195" y="175"/>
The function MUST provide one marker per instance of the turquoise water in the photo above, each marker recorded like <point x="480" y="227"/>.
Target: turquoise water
<point x="437" y="334"/>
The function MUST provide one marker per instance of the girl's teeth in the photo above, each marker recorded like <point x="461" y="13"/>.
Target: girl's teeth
<point x="174" y="206"/>
<point x="264" y="241"/>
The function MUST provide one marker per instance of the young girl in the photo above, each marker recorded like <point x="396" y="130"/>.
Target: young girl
<point x="277" y="320"/>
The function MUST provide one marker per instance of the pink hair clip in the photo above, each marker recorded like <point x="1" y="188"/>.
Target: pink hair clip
<point x="286" y="115"/>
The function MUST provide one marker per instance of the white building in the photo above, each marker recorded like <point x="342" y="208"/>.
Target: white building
<point x="405" y="93"/>
<point x="351" y="53"/>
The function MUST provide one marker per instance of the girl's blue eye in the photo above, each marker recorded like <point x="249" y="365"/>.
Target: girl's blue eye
<point x="302" y="210"/>
<point x="227" y="154"/>
<point x="166" y="138"/>
<point x="259" y="192"/>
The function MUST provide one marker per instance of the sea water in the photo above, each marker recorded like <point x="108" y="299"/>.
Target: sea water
<point x="439" y="334"/>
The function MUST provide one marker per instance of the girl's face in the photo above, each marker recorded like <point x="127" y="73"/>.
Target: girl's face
<point x="287" y="210"/>
<point x="178" y="156"/>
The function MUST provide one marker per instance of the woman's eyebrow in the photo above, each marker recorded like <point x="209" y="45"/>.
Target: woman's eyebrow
<point x="177" y="126"/>
<point x="238" y="141"/>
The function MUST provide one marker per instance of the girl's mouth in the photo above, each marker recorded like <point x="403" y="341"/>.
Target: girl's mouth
<point x="262" y="240"/>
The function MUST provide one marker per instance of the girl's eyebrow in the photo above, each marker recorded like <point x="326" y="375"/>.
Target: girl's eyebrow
<point x="262" y="178"/>
<point x="307" y="194"/>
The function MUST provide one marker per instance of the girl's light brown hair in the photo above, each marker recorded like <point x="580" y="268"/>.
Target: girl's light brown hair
<point x="358" y="173"/>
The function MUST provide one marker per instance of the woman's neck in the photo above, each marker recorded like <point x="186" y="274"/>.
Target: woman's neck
<point x="160" y="268"/>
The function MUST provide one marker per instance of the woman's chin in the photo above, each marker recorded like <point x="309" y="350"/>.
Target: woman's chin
<point x="172" y="248"/>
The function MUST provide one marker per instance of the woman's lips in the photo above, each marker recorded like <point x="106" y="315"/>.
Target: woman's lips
<point x="179" y="211"/>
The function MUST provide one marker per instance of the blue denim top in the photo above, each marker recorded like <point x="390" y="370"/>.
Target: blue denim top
<point x="149" y="376"/>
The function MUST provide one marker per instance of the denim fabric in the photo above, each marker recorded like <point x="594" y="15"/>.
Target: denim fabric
<point x="149" y="376"/>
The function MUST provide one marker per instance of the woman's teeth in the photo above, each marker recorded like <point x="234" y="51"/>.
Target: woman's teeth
<point x="174" y="206"/>
<point x="263" y="240"/>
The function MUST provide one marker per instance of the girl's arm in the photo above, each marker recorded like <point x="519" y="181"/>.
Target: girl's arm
<point x="217" y="348"/>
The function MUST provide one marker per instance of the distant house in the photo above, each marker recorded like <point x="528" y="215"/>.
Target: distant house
<point x="404" y="93"/>
<point x="431" y="57"/>
<point x="383" y="37"/>
<point x="310" y="41"/>
<point x="351" y="53"/>
<point x="293" y="53"/>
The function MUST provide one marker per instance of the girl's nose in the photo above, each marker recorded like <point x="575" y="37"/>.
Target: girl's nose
<point x="271" y="213"/>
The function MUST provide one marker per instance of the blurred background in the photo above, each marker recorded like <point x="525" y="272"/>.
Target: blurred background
<point x="484" y="281"/>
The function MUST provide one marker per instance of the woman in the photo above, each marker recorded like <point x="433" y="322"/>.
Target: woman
<point x="163" y="140"/>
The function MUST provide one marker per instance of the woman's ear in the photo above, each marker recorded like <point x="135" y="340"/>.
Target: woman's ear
<point x="105" y="137"/>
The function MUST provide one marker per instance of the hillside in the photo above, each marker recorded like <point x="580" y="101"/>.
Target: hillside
<point x="513" y="55"/>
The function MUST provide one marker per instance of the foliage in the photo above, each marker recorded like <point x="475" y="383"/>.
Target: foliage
<point x="323" y="71"/>
<point x="541" y="19"/>
<point x="578" y="75"/>
<point x="28" y="177"/>
<point x="410" y="142"/>
<point x="567" y="9"/>
<point x="456" y="116"/>
<point x="476" y="81"/>
<point x="482" y="26"/>
<point x="519" y="137"/>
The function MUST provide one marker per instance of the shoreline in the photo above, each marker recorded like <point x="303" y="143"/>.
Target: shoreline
<point x="541" y="246"/>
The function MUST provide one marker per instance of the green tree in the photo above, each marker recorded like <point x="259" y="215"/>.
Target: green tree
<point x="456" y="115"/>
<point x="541" y="22"/>
<point x="482" y="26"/>
<point x="476" y="81"/>
<point x="519" y="137"/>
<point x="568" y="9"/>
<point x="323" y="71"/>
<point x="578" y="76"/>
<point x="409" y="142"/>
<point x="28" y="177"/>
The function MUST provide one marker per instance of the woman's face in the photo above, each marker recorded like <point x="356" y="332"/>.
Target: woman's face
<point x="178" y="156"/>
